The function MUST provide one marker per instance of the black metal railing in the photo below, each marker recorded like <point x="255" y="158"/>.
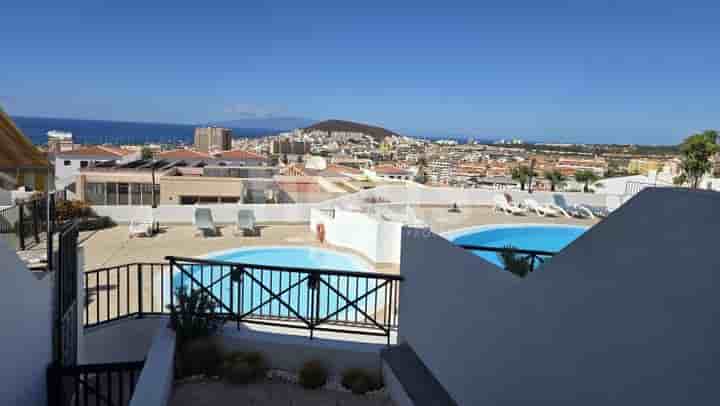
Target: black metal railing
<point x="25" y="224"/>
<point x="93" y="384"/>
<point x="312" y="299"/>
<point x="66" y="285"/>
<point x="534" y="258"/>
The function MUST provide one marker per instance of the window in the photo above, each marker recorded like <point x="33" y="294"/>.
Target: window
<point x="135" y="194"/>
<point x="95" y="193"/>
<point x="188" y="199"/>
<point x="111" y="193"/>
<point x="123" y="197"/>
<point x="83" y="164"/>
<point x="66" y="163"/>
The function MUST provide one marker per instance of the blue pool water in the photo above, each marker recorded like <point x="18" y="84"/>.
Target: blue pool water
<point x="540" y="238"/>
<point x="252" y="294"/>
<point x="298" y="257"/>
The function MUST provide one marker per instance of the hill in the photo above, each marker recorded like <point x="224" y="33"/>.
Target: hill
<point x="378" y="133"/>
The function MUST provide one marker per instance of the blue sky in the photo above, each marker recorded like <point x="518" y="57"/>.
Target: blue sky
<point x="585" y="71"/>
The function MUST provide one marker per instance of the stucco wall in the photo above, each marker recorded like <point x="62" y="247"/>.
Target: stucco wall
<point x="26" y="337"/>
<point x="120" y="341"/>
<point x="627" y="314"/>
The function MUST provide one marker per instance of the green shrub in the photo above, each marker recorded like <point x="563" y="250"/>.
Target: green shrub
<point x="244" y="367"/>
<point x="360" y="381"/>
<point x="517" y="264"/>
<point x="193" y="316"/>
<point x="313" y="375"/>
<point x="201" y="357"/>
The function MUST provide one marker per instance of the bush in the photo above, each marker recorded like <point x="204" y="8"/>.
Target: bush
<point x="201" y="357"/>
<point x="313" y="375"/>
<point x="71" y="209"/>
<point x="193" y="316"/>
<point x="244" y="367"/>
<point x="360" y="381"/>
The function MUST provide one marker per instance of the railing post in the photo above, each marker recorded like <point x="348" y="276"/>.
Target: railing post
<point x="140" y="291"/>
<point x="35" y="219"/>
<point x="21" y="227"/>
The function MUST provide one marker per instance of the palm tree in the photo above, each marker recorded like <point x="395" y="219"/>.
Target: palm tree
<point x="555" y="177"/>
<point x="586" y="177"/>
<point x="522" y="175"/>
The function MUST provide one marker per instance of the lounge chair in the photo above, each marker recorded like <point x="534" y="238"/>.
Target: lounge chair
<point x="574" y="210"/>
<point x="143" y="227"/>
<point x="140" y="229"/>
<point x="203" y="221"/>
<point x="245" y="222"/>
<point x="541" y="210"/>
<point x="502" y="204"/>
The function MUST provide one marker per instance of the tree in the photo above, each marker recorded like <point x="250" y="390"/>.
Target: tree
<point x="586" y="177"/>
<point x="696" y="152"/>
<point x="555" y="177"/>
<point x="421" y="176"/>
<point x="146" y="153"/>
<point x="522" y="175"/>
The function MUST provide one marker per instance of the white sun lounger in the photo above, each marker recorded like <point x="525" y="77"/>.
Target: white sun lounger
<point x="140" y="229"/>
<point x="245" y="222"/>
<point x="203" y="221"/>
<point x="540" y="210"/>
<point x="574" y="210"/>
<point x="504" y="206"/>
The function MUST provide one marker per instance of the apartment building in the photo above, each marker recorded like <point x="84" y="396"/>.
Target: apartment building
<point x="59" y="141"/>
<point x="68" y="163"/>
<point x="208" y="139"/>
<point x="568" y="166"/>
<point x="442" y="170"/>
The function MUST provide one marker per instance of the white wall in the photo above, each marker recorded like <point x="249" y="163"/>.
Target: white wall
<point x="626" y="314"/>
<point x="376" y="239"/>
<point x="26" y="338"/>
<point x="121" y="341"/>
<point x="294" y="213"/>
<point x="154" y="386"/>
<point x="222" y="213"/>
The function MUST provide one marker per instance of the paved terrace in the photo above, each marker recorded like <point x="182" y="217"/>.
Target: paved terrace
<point x="113" y="246"/>
<point x="111" y="292"/>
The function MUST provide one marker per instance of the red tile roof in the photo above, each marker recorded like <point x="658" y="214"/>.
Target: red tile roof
<point x="182" y="154"/>
<point x="344" y="169"/>
<point x="240" y="154"/>
<point x="95" y="150"/>
<point x="391" y="170"/>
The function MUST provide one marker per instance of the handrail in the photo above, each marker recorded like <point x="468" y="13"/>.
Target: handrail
<point x="313" y="299"/>
<point x="507" y="249"/>
<point x="285" y="268"/>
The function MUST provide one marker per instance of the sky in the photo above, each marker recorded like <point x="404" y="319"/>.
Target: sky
<point x="632" y="71"/>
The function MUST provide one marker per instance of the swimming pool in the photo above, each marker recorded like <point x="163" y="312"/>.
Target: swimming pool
<point x="536" y="237"/>
<point x="251" y="294"/>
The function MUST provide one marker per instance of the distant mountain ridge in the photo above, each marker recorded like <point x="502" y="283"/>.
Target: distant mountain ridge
<point x="277" y="123"/>
<point x="378" y="133"/>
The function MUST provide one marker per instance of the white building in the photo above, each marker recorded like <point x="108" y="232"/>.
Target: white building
<point x="68" y="163"/>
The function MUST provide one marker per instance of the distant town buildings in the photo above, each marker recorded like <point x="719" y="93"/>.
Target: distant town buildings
<point x="59" y="141"/>
<point x="209" y="139"/>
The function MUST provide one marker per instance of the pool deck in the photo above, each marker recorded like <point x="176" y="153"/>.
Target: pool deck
<point x="113" y="246"/>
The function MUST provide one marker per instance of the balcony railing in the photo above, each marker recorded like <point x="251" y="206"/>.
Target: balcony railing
<point x="93" y="384"/>
<point x="301" y="298"/>
<point x="534" y="257"/>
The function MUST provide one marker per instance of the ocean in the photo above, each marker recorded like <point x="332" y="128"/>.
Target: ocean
<point x="120" y="132"/>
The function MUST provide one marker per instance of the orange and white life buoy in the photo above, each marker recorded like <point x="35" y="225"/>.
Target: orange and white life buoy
<point x="320" y="228"/>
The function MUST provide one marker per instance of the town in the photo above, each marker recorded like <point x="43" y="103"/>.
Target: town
<point x="334" y="157"/>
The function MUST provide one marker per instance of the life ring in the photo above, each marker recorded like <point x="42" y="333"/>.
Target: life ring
<point x="320" y="228"/>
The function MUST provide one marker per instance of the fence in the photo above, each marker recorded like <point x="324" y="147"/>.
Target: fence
<point x="533" y="258"/>
<point x="25" y="224"/>
<point x="93" y="384"/>
<point x="311" y="299"/>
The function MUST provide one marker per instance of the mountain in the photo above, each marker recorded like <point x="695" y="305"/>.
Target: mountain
<point x="378" y="133"/>
<point x="276" y="123"/>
